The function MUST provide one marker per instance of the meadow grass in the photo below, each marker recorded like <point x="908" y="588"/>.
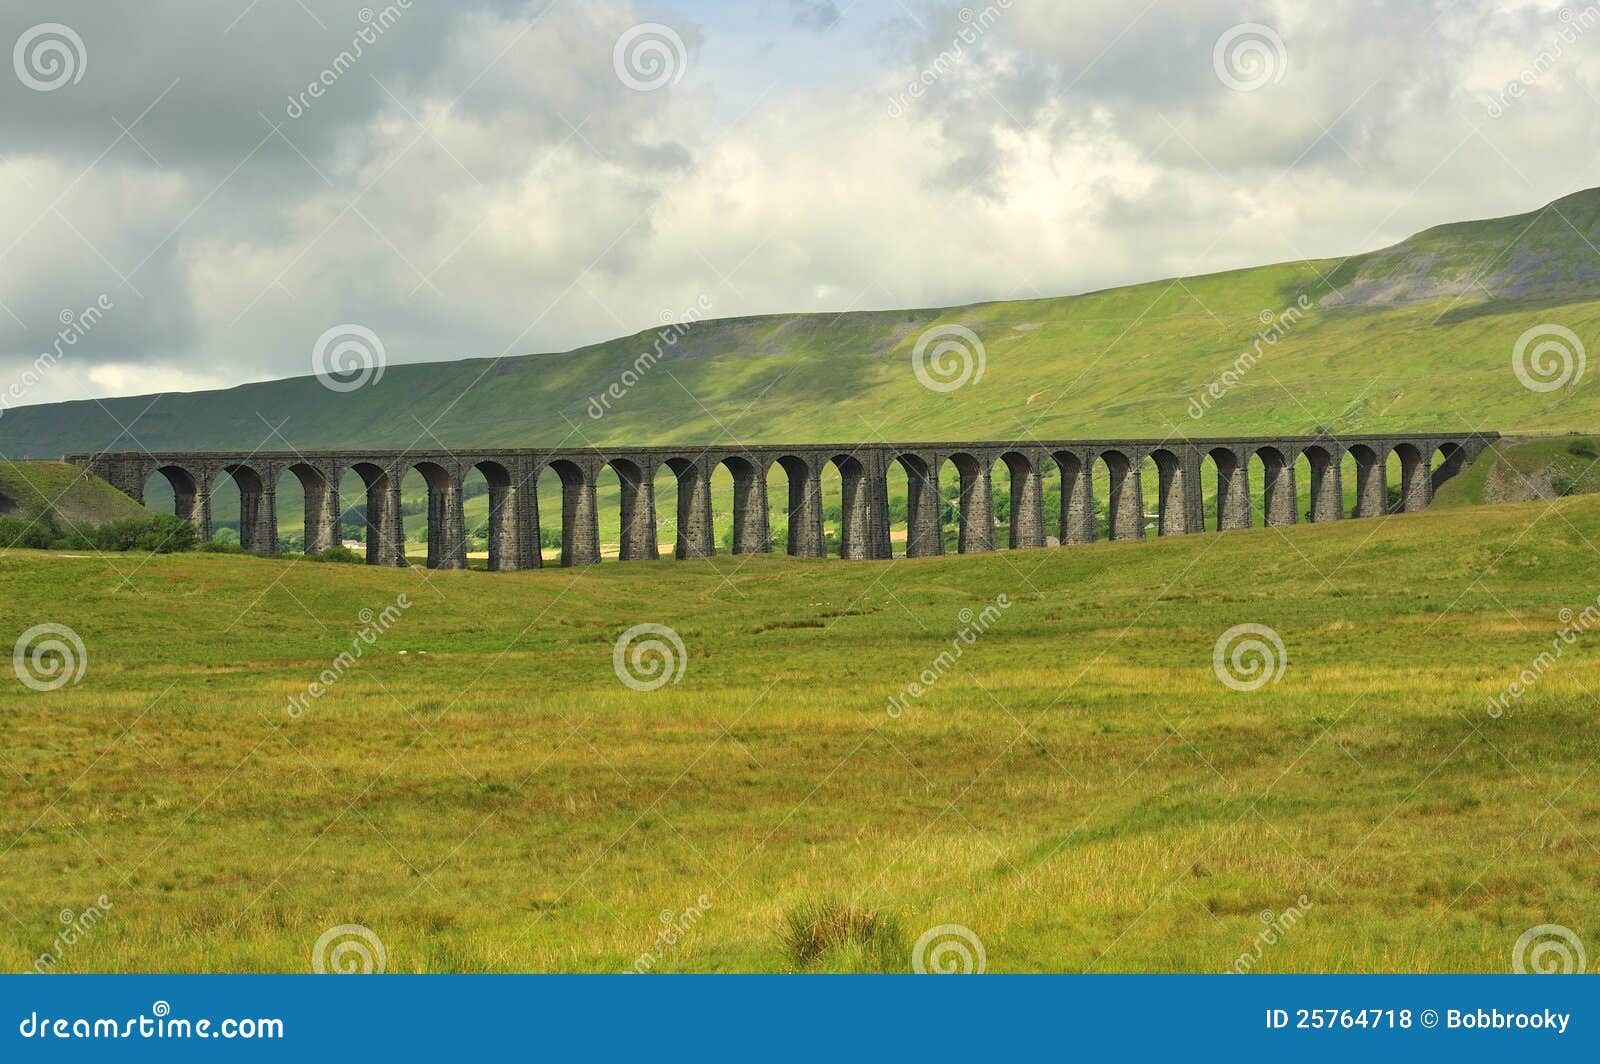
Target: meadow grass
<point x="1077" y="787"/>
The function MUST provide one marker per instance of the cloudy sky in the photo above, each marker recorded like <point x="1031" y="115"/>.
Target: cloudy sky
<point x="233" y="178"/>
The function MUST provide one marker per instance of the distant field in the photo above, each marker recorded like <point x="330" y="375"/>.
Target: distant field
<point x="1079" y="788"/>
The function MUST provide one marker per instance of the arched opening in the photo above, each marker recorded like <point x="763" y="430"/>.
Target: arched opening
<point x="800" y="528"/>
<point x="177" y="484"/>
<point x="256" y="523"/>
<point x="380" y="515"/>
<point x="637" y="532"/>
<point x="445" y="523"/>
<point x="924" y="509"/>
<point x="1279" y="498"/>
<point x="1319" y="484"/>
<point x="1076" y="506"/>
<point x="580" y="530"/>
<point x="1448" y="460"/>
<point x="8" y="506"/>
<point x="750" y="531"/>
<point x="1124" y="497"/>
<point x="850" y="519"/>
<point x="690" y="482"/>
<point x="1230" y="490"/>
<point x="309" y="509"/>
<point x="1371" y="482"/>
<point x="1166" y="512"/>
<point x="1415" y="479"/>
<point x="899" y="497"/>
<point x="974" y="504"/>
<point x="491" y="515"/>
<point x="1023" y="505"/>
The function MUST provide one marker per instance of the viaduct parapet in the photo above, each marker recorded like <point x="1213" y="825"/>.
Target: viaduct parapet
<point x="1425" y="459"/>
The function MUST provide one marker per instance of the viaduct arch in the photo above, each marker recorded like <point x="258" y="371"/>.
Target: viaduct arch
<point x="1426" y="460"/>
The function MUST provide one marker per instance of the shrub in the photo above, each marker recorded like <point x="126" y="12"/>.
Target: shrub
<point x="217" y="546"/>
<point x="36" y="535"/>
<point x="159" y="533"/>
<point x="338" y="553"/>
<point x="855" y="938"/>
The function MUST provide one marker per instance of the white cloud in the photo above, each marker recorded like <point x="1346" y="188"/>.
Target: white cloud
<point x="481" y="182"/>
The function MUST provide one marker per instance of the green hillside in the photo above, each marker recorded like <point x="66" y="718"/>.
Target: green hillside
<point x="61" y="495"/>
<point x="1079" y="787"/>
<point x="1411" y="337"/>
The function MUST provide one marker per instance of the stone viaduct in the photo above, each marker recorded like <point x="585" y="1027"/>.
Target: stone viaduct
<point x="1426" y="460"/>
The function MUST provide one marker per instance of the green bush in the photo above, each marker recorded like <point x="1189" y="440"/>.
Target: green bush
<point x="161" y="533"/>
<point x="339" y="553"/>
<point x="36" y="535"/>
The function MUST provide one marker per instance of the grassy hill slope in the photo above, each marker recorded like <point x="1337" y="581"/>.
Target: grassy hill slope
<point x="1077" y="787"/>
<point x="1412" y="337"/>
<point x="62" y="494"/>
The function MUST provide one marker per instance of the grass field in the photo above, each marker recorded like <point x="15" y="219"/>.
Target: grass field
<point x="1078" y="788"/>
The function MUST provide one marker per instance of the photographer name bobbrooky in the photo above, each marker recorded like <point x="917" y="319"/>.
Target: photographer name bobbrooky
<point x="1494" y="1019"/>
